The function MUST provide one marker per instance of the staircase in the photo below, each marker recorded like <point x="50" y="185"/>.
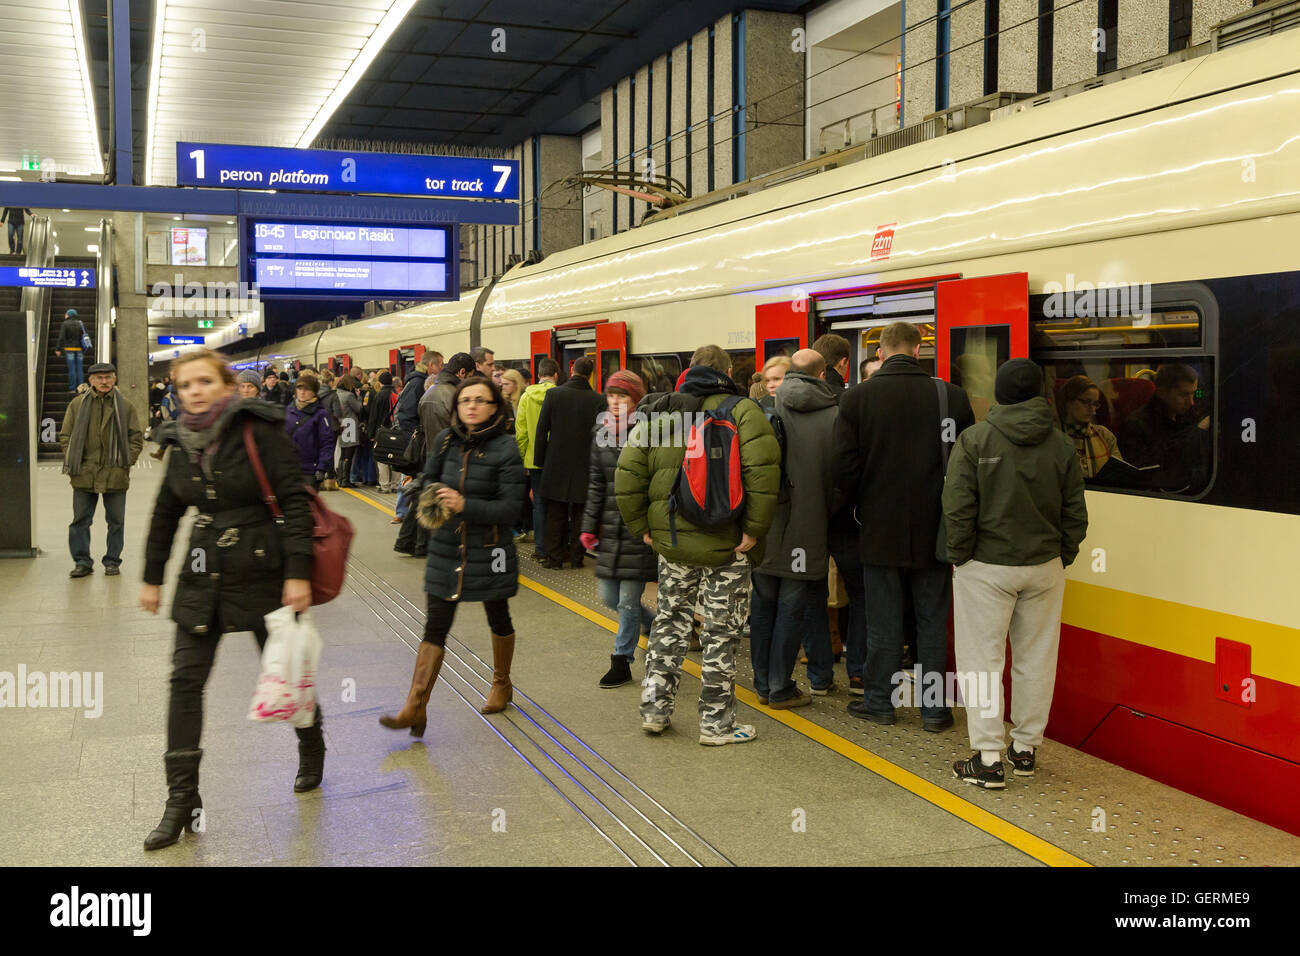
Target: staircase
<point x="57" y="395"/>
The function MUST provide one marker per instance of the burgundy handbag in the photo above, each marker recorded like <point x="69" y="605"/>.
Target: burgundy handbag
<point x="331" y="534"/>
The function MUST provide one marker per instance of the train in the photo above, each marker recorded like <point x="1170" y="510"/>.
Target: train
<point x="1146" y="222"/>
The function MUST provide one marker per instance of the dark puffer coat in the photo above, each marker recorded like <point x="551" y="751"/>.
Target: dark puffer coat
<point x="238" y="558"/>
<point x="309" y="430"/>
<point x="621" y="555"/>
<point x="472" y="556"/>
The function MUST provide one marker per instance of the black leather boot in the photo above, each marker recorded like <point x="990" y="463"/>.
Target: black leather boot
<point x="311" y="755"/>
<point x="184" y="806"/>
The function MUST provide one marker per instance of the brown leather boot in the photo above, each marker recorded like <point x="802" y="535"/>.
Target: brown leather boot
<point x="501" y="692"/>
<point x="837" y="645"/>
<point x="414" y="714"/>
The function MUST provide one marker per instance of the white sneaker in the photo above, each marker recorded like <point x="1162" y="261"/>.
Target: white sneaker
<point x="739" y="734"/>
<point x="656" y="727"/>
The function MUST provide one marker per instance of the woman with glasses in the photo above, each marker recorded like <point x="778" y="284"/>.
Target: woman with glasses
<point x="474" y="492"/>
<point x="1094" y="444"/>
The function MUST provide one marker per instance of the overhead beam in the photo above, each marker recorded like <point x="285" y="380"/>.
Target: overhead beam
<point x="119" y="78"/>
<point x="244" y="202"/>
<point x="611" y="34"/>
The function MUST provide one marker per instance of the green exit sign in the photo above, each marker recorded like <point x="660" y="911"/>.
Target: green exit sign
<point x="34" y="164"/>
<point x="205" y="323"/>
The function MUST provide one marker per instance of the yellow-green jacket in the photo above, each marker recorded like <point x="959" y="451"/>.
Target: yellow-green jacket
<point x="526" y="415"/>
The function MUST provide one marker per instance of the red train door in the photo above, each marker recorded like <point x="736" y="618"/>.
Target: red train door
<point x="540" y="346"/>
<point x="980" y="323"/>
<point x="611" y="350"/>
<point x="781" y="328"/>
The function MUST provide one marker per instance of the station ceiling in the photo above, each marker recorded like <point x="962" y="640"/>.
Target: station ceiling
<point x="441" y="78"/>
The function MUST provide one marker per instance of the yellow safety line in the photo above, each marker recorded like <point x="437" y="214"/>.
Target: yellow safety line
<point x="972" y="813"/>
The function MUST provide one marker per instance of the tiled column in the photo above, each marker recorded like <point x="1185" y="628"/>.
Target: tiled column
<point x="918" y="80"/>
<point x="699" y="158"/>
<point x="678" y="161"/>
<point x="1018" y="46"/>
<point x="966" y="61"/>
<point x="131" y="347"/>
<point x="1143" y="31"/>
<point x="561" y="212"/>
<point x="724" y="119"/>
<point x="1206" y="13"/>
<point x="1073" y="58"/>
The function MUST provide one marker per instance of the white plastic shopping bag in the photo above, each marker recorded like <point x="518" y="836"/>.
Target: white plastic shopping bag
<point x="287" y="688"/>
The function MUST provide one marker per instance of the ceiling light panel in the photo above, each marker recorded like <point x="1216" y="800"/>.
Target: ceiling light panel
<point x="48" y="110"/>
<point x="256" y="72"/>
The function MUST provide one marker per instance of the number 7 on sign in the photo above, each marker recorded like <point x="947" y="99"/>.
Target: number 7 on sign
<point x="505" y="174"/>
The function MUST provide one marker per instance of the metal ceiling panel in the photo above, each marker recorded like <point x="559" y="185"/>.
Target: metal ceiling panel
<point x="256" y="72"/>
<point x="48" y="111"/>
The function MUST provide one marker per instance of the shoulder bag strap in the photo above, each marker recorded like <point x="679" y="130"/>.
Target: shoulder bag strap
<point x="255" y="460"/>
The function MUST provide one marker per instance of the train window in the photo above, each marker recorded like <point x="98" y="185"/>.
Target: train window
<point x="774" y="347"/>
<point x="742" y="368"/>
<point x="609" y="364"/>
<point x="659" y="372"/>
<point x="1140" y="423"/>
<point x="976" y="354"/>
<point x="1116" y="319"/>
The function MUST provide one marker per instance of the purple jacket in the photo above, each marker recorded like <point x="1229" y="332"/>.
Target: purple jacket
<point x="309" y="430"/>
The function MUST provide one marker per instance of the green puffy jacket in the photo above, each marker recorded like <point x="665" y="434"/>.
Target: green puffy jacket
<point x="1013" y="494"/>
<point x="647" y="470"/>
<point x="526" y="415"/>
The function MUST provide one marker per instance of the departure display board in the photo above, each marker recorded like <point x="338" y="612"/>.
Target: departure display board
<point x="305" y="259"/>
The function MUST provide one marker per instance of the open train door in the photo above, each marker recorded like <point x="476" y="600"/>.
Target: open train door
<point x="540" y="346"/>
<point x="980" y="323"/>
<point x="781" y="328"/>
<point x="611" y="350"/>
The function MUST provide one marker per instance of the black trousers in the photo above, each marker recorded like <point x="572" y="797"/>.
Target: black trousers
<point x="442" y="612"/>
<point x="345" y="462"/>
<point x="563" y="525"/>
<point x="192" y="659"/>
<point x="412" y="538"/>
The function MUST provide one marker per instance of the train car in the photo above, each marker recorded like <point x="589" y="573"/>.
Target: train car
<point x="1146" y="223"/>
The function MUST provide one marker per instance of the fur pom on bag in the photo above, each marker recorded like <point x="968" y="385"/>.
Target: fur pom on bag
<point x="432" y="513"/>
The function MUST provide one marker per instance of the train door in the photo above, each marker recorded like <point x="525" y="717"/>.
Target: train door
<point x="541" y="345"/>
<point x="980" y="324"/>
<point x="344" y="361"/>
<point x="573" y="342"/>
<point x="781" y="328"/>
<point x="611" y="350"/>
<point x="401" y="360"/>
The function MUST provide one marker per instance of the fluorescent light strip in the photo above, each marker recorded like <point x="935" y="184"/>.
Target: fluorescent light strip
<point x="381" y="35"/>
<point x="155" y="71"/>
<point x="97" y="158"/>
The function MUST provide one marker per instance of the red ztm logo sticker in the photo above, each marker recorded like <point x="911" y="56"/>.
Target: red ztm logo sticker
<point x="884" y="241"/>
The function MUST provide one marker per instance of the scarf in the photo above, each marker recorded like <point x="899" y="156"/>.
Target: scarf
<point x="1089" y="447"/>
<point x="303" y="406"/>
<point x="199" y="434"/>
<point x="116" y="452"/>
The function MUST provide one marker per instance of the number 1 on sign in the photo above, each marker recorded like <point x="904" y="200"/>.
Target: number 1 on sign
<point x="197" y="156"/>
<point x="505" y="174"/>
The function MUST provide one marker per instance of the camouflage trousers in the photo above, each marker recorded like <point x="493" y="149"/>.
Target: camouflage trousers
<point x="722" y="595"/>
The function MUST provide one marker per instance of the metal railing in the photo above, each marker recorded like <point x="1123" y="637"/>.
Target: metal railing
<point x="105" y="293"/>
<point x="40" y="253"/>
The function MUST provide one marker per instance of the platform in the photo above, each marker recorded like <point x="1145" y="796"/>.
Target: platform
<point x="566" y="776"/>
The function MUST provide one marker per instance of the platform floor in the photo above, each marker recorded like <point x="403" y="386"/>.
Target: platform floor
<point x="566" y="776"/>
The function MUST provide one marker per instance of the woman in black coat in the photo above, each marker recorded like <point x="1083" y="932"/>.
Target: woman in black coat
<point x="624" y="562"/>
<point x="239" y="565"/>
<point x="473" y="493"/>
<point x="382" y="406"/>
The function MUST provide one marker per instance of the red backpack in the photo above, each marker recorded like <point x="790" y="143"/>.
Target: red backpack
<point x="708" y="491"/>
<point x="331" y="534"/>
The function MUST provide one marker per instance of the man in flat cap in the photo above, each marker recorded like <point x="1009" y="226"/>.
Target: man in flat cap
<point x="101" y="438"/>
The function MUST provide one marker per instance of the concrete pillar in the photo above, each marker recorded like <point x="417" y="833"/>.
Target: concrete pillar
<point x="560" y="224"/>
<point x="1018" y="46"/>
<point x="1206" y="13"/>
<point x="660" y="116"/>
<point x="724" y="124"/>
<point x="774" y="92"/>
<point x="966" y="61"/>
<point x="623" y="157"/>
<point x="1073" y="56"/>
<point x="607" y="159"/>
<point x="1143" y="32"/>
<point x="640" y="138"/>
<point x="467" y="242"/>
<point x="918" y="49"/>
<point x="677" y="160"/>
<point x="131" y="346"/>
<point x="700" y="133"/>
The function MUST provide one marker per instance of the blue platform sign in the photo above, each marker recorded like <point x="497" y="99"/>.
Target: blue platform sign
<point x="39" y="277"/>
<point x="337" y="171"/>
<point x="180" y="340"/>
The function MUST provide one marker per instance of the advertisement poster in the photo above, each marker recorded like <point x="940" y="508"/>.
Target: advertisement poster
<point x="189" y="247"/>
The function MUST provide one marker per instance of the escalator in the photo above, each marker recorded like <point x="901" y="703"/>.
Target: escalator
<point x="57" y="392"/>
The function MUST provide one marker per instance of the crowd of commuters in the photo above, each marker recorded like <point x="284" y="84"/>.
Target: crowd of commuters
<point x="866" y="511"/>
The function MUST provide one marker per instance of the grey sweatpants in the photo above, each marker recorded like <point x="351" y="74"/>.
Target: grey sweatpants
<point x="990" y="601"/>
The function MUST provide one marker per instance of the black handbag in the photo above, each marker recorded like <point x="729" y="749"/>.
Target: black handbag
<point x="398" y="450"/>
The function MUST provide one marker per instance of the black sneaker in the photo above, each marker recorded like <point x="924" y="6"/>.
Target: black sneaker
<point x="936" y="725"/>
<point x="972" y="770"/>
<point x="112" y="569"/>
<point x="855" y="686"/>
<point x="81" y="571"/>
<point x="859" y="709"/>
<point x="1022" y="764"/>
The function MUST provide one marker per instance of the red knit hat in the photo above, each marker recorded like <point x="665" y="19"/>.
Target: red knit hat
<point x="629" y="382"/>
